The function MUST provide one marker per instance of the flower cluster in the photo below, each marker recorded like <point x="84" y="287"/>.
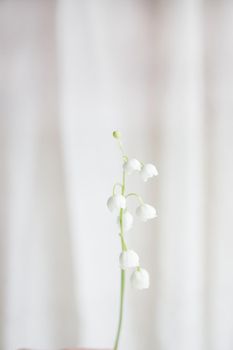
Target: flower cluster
<point x="118" y="203"/>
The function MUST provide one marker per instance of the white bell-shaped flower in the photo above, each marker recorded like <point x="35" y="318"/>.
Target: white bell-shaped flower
<point x="132" y="165"/>
<point x="147" y="171"/>
<point x="128" y="259"/>
<point x="146" y="212"/>
<point x="140" y="279"/>
<point x="116" y="202"/>
<point x="127" y="220"/>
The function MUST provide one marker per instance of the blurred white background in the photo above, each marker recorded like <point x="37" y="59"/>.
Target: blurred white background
<point x="71" y="73"/>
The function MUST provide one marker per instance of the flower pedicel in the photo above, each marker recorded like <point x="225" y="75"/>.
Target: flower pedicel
<point x="129" y="259"/>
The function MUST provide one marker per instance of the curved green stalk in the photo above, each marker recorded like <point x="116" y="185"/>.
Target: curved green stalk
<point x="115" y="186"/>
<point x="136" y="195"/>
<point x="122" y="289"/>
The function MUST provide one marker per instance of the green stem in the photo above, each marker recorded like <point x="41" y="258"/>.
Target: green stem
<point x="121" y="309"/>
<point x="121" y="148"/>
<point x="122" y="290"/>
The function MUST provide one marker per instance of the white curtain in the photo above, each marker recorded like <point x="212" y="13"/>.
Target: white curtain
<point x="71" y="73"/>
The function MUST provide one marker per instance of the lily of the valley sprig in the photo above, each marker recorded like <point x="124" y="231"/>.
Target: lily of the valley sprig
<point x="117" y="203"/>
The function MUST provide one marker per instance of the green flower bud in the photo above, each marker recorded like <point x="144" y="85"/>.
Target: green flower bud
<point x="116" y="134"/>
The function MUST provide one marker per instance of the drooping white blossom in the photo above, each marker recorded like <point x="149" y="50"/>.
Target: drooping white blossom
<point x="116" y="202"/>
<point x="140" y="279"/>
<point x="128" y="259"/>
<point x="127" y="220"/>
<point x="132" y="165"/>
<point x="148" y="171"/>
<point x="146" y="212"/>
